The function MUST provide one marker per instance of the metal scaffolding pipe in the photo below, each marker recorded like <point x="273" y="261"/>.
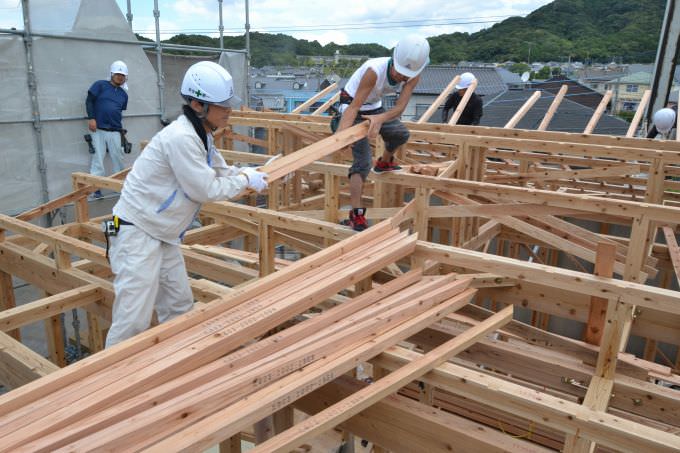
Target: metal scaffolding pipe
<point x="35" y="106"/>
<point x="221" y="27"/>
<point x="128" y="16"/>
<point x="159" y="60"/>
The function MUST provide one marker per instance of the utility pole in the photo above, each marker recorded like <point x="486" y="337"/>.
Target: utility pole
<point x="529" y="54"/>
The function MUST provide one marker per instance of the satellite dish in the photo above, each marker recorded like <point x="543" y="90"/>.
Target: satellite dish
<point x="525" y="76"/>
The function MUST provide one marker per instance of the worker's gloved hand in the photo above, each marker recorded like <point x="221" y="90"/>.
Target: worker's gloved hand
<point x="257" y="180"/>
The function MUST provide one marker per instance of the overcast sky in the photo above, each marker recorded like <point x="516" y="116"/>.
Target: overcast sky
<point x="344" y="22"/>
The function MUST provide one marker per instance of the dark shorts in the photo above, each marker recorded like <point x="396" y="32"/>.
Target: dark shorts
<point x="393" y="132"/>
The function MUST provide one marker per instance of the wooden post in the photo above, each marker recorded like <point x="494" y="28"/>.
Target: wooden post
<point x="231" y="445"/>
<point x="604" y="267"/>
<point x="55" y="340"/>
<point x="7" y="299"/>
<point x="82" y="210"/>
<point x="267" y="249"/>
<point x="331" y="197"/>
<point x="95" y="333"/>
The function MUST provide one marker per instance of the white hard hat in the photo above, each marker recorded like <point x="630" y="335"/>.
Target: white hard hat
<point x="209" y="83"/>
<point x="118" y="67"/>
<point x="465" y="80"/>
<point x="664" y="120"/>
<point x="411" y="55"/>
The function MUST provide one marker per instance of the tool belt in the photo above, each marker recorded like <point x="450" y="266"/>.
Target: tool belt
<point x="110" y="228"/>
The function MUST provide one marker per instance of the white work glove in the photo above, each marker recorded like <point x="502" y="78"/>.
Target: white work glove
<point x="257" y="180"/>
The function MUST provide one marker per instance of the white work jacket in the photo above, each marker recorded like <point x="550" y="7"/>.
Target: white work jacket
<point x="171" y="178"/>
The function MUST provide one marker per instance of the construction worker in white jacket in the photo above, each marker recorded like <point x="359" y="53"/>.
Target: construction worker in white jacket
<point x="178" y="170"/>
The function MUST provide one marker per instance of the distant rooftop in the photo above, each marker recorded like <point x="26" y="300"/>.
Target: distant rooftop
<point x="491" y="80"/>
<point x="569" y="117"/>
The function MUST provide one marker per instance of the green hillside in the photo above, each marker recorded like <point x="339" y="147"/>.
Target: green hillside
<point x="585" y="30"/>
<point x="596" y="30"/>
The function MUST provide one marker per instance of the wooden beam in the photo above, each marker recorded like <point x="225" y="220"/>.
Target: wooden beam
<point x="517" y="117"/>
<point x="590" y="127"/>
<point x="540" y="407"/>
<point x="49" y="306"/>
<point x="634" y="293"/>
<point x="305" y="105"/>
<point x="398" y="423"/>
<point x="20" y="365"/>
<point x="327" y="104"/>
<point x="642" y="106"/>
<point x="553" y="108"/>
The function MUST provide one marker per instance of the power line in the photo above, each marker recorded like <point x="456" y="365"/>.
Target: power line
<point x="392" y="24"/>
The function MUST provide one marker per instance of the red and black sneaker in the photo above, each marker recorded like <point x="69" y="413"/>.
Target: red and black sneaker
<point x="382" y="166"/>
<point x="357" y="219"/>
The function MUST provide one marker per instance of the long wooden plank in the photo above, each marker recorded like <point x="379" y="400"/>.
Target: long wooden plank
<point x="111" y="356"/>
<point x="229" y="319"/>
<point x="294" y="161"/>
<point x="203" y="343"/>
<point x="365" y="397"/>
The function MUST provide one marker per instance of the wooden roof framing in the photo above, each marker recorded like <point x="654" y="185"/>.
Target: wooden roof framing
<point x="490" y="232"/>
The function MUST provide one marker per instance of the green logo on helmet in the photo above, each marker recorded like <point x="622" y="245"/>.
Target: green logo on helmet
<point x="198" y="93"/>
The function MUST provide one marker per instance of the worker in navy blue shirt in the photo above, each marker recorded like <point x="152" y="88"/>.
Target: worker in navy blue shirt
<point x="106" y="100"/>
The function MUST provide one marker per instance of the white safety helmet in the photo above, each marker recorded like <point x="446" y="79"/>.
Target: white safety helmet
<point x="411" y="55"/>
<point x="209" y="83"/>
<point x="664" y="120"/>
<point x="118" y="67"/>
<point x="465" y="80"/>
